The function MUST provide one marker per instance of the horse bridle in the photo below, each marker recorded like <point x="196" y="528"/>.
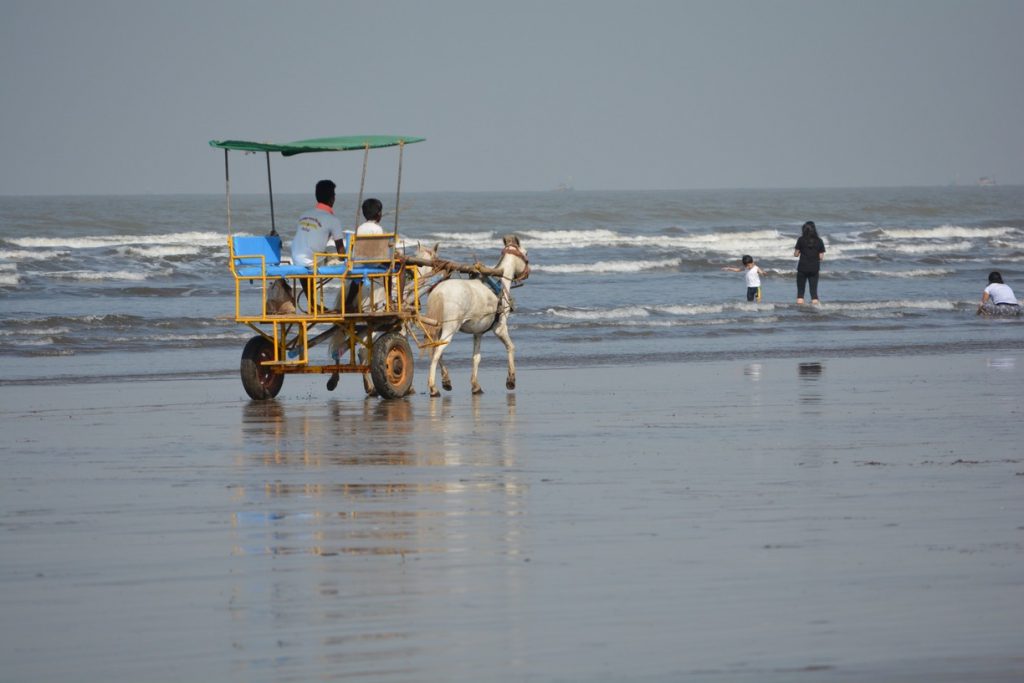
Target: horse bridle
<point x="516" y="251"/>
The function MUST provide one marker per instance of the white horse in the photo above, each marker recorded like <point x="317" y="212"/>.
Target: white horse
<point x="473" y="307"/>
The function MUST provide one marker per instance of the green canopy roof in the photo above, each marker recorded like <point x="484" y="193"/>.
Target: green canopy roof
<point x="339" y="144"/>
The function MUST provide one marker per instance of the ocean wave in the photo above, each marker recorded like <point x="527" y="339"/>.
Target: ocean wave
<point x="932" y="304"/>
<point x="160" y="251"/>
<point x="46" y="331"/>
<point x="599" y="313"/>
<point x="23" y="255"/>
<point x="854" y="250"/>
<point x="610" y="266"/>
<point x="648" y="313"/>
<point x="717" y="242"/>
<point x="462" y="240"/>
<point x="193" y="238"/>
<point x="902" y="274"/>
<point x="178" y="338"/>
<point x="9" y="275"/>
<point x="634" y="312"/>
<point x="45" y="341"/>
<point x="98" y="276"/>
<point x="946" y="232"/>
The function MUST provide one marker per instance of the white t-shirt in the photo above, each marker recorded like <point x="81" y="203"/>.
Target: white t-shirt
<point x="1001" y="294"/>
<point x="315" y="229"/>
<point x="753" y="279"/>
<point x="370" y="228"/>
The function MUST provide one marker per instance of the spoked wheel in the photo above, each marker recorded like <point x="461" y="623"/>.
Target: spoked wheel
<point x="258" y="380"/>
<point x="391" y="365"/>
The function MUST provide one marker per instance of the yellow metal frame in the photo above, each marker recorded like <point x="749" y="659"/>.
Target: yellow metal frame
<point x="290" y="333"/>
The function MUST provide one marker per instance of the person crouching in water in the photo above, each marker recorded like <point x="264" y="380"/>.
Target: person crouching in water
<point x="753" y="275"/>
<point x="998" y="298"/>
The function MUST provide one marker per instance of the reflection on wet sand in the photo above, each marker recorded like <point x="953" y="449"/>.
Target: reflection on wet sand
<point x="810" y="393"/>
<point x="347" y="478"/>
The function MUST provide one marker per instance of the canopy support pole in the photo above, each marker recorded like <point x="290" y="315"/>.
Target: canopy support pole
<point x="270" y="188"/>
<point x="362" y="183"/>
<point x="227" y="188"/>
<point x="398" y="190"/>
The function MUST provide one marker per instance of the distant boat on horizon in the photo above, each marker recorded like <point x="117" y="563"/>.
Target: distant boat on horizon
<point x="985" y="180"/>
<point x="565" y="187"/>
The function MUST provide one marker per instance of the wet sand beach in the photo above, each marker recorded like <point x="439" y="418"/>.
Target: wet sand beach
<point x="810" y="519"/>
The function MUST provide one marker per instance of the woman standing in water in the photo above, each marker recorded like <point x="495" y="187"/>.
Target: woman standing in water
<point x="811" y="251"/>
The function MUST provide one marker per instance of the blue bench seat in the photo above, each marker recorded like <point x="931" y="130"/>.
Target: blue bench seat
<point x="260" y="257"/>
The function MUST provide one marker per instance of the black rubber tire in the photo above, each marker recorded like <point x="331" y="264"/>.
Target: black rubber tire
<point x="391" y="365"/>
<point x="259" y="382"/>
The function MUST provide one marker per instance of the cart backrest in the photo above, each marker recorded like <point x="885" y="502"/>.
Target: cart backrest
<point x="247" y="251"/>
<point x="372" y="249"/>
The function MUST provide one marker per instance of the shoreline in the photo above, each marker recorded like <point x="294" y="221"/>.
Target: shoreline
<point x="494" y="359"/>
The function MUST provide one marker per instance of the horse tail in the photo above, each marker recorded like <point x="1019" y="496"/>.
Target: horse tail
<point x="435" y="316"/>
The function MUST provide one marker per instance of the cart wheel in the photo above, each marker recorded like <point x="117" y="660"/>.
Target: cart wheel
<point x="391" y="365"/>
<point x="259" y="382"/>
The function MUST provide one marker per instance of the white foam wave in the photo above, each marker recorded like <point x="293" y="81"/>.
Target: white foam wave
<point x="93" y="275"/>
<point x="184" y="337"/>
<point x="655" y="315"/>
<point x="943" y="248"/>
<point x="569" y="239"/>
<point x="644" y="312"/>
<point x="705" y="309"/>
<point x="192" y="238"/>
<point x="599" y="314"/>
<point x="610" y="266"/>
<point x="464" y="240"/>
<point x="9" y="279"/>
<point x="22" y="255"/>
<point x="917" y="272"/>
<point x="41" y="331"/>
<point x="46" y="341"/>
<point x="159" y="251"/>
<point x="930" y="304"/>
<point x="946" y="232"/>
<point x="729" y="243"/>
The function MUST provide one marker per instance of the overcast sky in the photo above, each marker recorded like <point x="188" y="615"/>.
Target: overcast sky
<point x="121" y="97"/>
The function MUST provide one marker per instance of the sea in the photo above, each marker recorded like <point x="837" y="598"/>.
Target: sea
<point x="114" y="288"/>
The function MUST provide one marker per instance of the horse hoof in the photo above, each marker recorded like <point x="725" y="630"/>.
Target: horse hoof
<point x="434" y="393"/>
<point x="447" y="386"/>
<point x="477" y="391"/>
<point x="510" y="384"/>
<point x="332" y="383"/>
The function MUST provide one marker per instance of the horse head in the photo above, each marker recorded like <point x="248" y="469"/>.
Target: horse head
<point x="514" y="262"/>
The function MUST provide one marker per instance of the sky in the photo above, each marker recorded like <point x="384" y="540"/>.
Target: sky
<point x="122" y="97"/>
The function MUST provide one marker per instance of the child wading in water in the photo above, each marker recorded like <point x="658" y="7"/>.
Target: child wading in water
<point x="753" y="275"/>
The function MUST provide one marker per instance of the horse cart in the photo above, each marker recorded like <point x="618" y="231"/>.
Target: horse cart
<point x="293" y="309"/>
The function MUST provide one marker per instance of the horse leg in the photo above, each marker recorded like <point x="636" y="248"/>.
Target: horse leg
<point x="446" y="381"/>
<point x="476" y="364"/>
<point x="435" y="358"/>
<point x="501" y="332"/>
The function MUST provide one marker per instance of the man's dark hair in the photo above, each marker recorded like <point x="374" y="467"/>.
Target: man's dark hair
<point x="372" y="209"/>
<point x="995" y="278"/>
<point x="325" y="192"/>
<point x="747" y="259"/>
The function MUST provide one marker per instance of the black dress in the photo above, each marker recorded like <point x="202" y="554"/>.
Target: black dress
<point x="810" y="249"/>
